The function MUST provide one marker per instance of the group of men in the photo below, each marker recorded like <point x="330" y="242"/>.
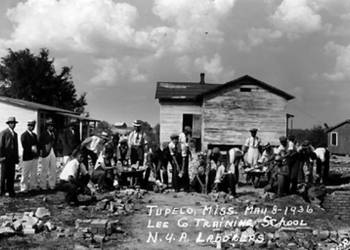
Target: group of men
<point x="293" y="164"/>
<point x="39" y="166"/>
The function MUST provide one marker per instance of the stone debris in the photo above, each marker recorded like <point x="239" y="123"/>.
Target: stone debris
<point x="41" y="212"/>
<point x="26" y="223"/>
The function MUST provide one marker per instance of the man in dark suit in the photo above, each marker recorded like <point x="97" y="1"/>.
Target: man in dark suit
<point x="30" y="157"/>
<point x="48" y="175"/>
<point x="9" y="157"/>
<point x="70" y="140"/>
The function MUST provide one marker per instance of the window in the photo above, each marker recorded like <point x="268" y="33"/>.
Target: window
<point x="246" y="90"/>
<point x="334" y="139"/>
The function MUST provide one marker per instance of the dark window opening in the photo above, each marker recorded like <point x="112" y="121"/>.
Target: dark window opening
<point x="334" y="139"/>
<point x="246" y="90"/>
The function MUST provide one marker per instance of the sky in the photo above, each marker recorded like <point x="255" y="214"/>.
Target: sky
<point x="118" y="50"/>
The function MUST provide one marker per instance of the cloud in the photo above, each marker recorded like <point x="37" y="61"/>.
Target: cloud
<point x="213" y="67"/>
<point x="110" y="72"/>
<point x="195" y="23"/>
<point x="341" y="69"/>
<point x="296" y="17"/>
<point x="77" y="25"/>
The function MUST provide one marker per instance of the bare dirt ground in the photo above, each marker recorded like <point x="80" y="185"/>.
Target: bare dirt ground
<point x="140" y="230"/>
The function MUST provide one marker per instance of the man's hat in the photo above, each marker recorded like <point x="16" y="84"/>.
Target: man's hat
<point x="253" y="130"/>
<point x="11" y="119"/>
<point x="104" y="135"/>
<point x="174" y="136"/>
<point x="49" y="121"/>
<point x="31" y="122"/>
<point x="137" y="123"/>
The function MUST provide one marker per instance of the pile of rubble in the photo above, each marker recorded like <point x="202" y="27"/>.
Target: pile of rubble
<point x="96" y="230"/>
<point x="120" y="202"/>
<point x="26" y="223"/>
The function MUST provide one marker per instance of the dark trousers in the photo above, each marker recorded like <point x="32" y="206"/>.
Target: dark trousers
<point x="136" y="155"/>
<point x="283" y="185"/>
<point x="74" y="188"/>
<point x="7" y="178"/>
<point x="294" y="172"/>
<point x="231" y="181"/>
<point x="211" y="179"/>
<point x="180" y="182"/>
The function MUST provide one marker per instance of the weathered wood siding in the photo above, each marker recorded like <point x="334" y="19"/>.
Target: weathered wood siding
<point x="343" y="146"/>
<point x="171" y="118"/>
<point x="229" y="114"/>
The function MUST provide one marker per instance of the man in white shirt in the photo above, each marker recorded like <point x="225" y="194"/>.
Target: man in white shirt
<point x="74" y="178"/>
<point x="136" y="142"/>
<point x="322" y="163"/>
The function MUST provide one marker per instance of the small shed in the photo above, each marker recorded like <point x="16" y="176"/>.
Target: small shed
<point x="25" y="110"/>
<point x="222" y="114"/>
<point x="339" y="138"/>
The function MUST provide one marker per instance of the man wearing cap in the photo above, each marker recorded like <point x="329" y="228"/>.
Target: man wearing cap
<point x="70" y="140"/>
<point x="47" y="139"/>
<point x="30" y="157"/>
<point x="251" y="147"/>
<point x="8" y="157"/>
<point x="136" y="143"/>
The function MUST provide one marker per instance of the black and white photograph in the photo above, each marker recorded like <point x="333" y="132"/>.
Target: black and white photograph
<point x="175" y="124"/>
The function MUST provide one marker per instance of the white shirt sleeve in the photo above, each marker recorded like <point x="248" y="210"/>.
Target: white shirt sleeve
<point x="219" y="173"/>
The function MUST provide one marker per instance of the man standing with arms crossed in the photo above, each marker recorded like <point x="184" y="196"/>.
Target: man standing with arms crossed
<point x="8" y="157"/>
<point x="30" y="156"/>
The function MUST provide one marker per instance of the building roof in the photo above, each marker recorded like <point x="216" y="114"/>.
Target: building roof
<point x="338" y="125"/>
<point x="248" y="80"/>
<point x="191" y="91"/>
<point x="39" y="106"/>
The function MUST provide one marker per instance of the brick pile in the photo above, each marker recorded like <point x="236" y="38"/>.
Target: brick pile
<point x="26" y="223"/>
<point x="338" y="203"/>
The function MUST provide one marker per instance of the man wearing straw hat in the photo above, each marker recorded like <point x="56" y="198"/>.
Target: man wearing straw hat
<point x="30" y="156"/>
<point x="8" y="157"/>
<point x="47" y="141"/>
<point x="136" y="143"/>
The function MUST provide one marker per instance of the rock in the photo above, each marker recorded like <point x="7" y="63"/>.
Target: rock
<point x="41" y="212"/>
<point x="60" y="235"/>
<point x="99" y="238"/>
<point x="28" y="231"/>
<point x="45" y="199"/>
<point x="6" y="223"/>
<point x="17" y="225"/>
<point x="83" y="208"/>
<point x="49" y="226"/>
<point x="82" y="223"/>
<point x="40" y="225"/>
<point x="29" y="221"/>
<point x="197" y="203"/>
<point x="323" y="235"/>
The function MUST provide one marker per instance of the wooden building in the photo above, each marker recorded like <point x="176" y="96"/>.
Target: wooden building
<point x="222" y="114"/>
<point x="339" y="138"/>
<point x="25" y="110"/>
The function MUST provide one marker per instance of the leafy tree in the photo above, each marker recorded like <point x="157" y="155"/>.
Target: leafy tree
<point x="317" y="136"/>
<point x="30" y="77"/>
